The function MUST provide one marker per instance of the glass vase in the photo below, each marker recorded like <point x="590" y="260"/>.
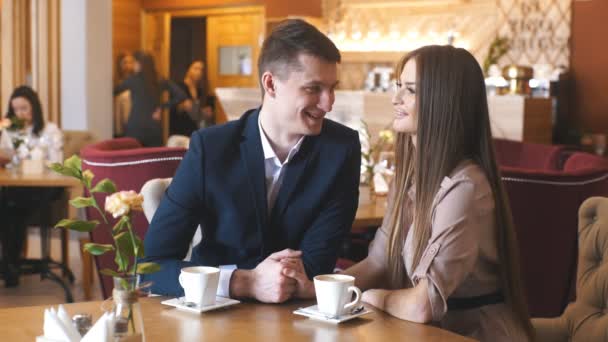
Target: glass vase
<point x="128" y="320"/>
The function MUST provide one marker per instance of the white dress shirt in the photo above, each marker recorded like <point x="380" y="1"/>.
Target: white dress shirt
<point x="274" y="172"/>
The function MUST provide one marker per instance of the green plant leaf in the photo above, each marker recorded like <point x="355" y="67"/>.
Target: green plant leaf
<point x="97" y="248"/>
<point x="122" y="261"/>
<point x="120" y="224"/>
<point x="60" y="169"/>
<point x="124" y="244"/>
<point x="140" y="247"/>
<point x="77" y="225"/>
<point x="148" y="267"/>
<point x="125" y="284"/>
<point x="57" y="167"/>
<point x="82" y="202"/>
<point x="104" y="185"/>
<point x="109" y="272"/>
<point x="74" y="163"/>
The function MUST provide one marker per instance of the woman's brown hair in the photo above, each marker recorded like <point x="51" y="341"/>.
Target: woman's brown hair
<point x="453" y="125"/>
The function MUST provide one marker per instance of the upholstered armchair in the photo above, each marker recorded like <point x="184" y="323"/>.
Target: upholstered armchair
<point x="529" y="156"/>
<point x="129" y="165"/>
<point x="153" y="192"/>
<point x="546" y="185"/>
<point x="585" y="318"/>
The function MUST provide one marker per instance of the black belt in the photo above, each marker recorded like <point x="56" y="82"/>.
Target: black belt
<point x="475" y="302"/>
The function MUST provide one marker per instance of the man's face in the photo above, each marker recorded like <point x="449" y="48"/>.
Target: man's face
<point x="305" y="96"/>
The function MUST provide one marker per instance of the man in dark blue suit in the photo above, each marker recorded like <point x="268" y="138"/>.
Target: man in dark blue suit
<point x="275" y="192"/>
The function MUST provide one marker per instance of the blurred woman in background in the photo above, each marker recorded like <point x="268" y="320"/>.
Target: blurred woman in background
<point x="146" y="89"/>
<point x="125" y="67"/>
<point x="28" y="133"/>
<point x="194" y="112"/>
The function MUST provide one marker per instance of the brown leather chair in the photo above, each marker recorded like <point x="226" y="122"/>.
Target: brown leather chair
<point x="585" y="319"/>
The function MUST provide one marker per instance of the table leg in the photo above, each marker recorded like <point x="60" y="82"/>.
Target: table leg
<point x="65" y="246"/>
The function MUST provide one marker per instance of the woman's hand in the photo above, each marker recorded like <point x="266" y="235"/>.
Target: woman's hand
<point x="185" y="105"/>
<point x="156" y="115"/>
<point x="375" y="297"/>
<point x="294" y="268"/>
<point x="4" y="160"/>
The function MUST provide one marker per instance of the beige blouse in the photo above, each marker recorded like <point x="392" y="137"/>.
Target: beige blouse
<point x="461" y="259"/>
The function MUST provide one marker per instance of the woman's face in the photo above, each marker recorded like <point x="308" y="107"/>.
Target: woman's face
<point x="127" y="64"/>
<point x="136" y="65"/>
<point x="195" y="72"/>
<point x="23" y="109"/>
<point x="404" y="100"/>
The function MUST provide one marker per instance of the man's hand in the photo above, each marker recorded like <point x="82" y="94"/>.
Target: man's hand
<point x="294" y="269"/>
<point x="266" y="282"/>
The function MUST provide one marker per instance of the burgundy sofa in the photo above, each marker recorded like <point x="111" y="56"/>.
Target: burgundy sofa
<point x="129" y="165"/>
<point x="546" y="185"/>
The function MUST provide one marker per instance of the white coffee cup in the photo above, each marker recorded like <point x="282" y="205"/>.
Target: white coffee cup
<point x="200" y="284"/>
<point x="334" y="292"/>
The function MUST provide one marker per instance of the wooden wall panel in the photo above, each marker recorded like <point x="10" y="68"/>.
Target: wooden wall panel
<point x="589" y="60"/>
<point x="126" y="26"/>
<point x="274" y="8"/>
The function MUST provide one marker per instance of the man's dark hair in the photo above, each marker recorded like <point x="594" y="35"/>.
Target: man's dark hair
<point x="287" y="41"/>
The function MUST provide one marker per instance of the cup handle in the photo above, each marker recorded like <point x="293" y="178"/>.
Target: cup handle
<point x="181" y="281"/>
<point x="355" y="302"/>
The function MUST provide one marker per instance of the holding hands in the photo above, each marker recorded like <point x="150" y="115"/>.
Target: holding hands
<point x="267" y="282"/>
<point x="293" y="268"/>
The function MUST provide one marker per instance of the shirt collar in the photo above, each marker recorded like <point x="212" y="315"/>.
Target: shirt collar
<point x="269" y="151"/>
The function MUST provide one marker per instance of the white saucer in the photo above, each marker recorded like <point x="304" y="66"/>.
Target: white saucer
<point x="180" y="303"/>
<point x="313" y="313"/>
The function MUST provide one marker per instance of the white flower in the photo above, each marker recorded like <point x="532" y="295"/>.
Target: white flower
<point x="123" y="202"/>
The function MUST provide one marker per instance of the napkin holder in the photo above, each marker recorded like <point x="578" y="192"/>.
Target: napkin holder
<point x="58" y="328"/>
<point x="32" y="166"/>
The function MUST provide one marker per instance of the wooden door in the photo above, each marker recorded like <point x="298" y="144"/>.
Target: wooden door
<point x="237" y="38"/>
<point x="156" y="38"/>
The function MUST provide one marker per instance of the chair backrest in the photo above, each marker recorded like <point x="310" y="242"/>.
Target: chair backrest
<point x="74" y="141"/>
<point x="545" y="206"/>
<point x="153" y="192"/>
<point x="584" y="320"/>
<point x="177" y="140"/>
<point x="129" y="165"/>
<point x="528" y="156"/>
<point x="592" y="275"/>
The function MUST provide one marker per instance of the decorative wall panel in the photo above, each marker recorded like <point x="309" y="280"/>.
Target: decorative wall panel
<point x="539" y="31"/>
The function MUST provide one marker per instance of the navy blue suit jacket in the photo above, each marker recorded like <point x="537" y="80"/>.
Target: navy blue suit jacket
<point x="220" y="184"/>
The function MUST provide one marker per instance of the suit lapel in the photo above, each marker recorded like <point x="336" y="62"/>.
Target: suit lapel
<point x="252" y="155"/>
<point x="293" y="174"/>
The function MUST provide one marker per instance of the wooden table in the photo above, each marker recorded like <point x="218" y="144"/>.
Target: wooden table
<point x="242" y="322"/>
<point x="14" y="177"/>
<point x="370" y="212"/>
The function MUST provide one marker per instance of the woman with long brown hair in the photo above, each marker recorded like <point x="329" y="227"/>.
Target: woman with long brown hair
<point x="146" y="88"/>
<point x="446" y="252"/>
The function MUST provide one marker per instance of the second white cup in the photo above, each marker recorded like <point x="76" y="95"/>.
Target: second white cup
<point x="200" y="284"/>
<point x="334" y="292"/>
